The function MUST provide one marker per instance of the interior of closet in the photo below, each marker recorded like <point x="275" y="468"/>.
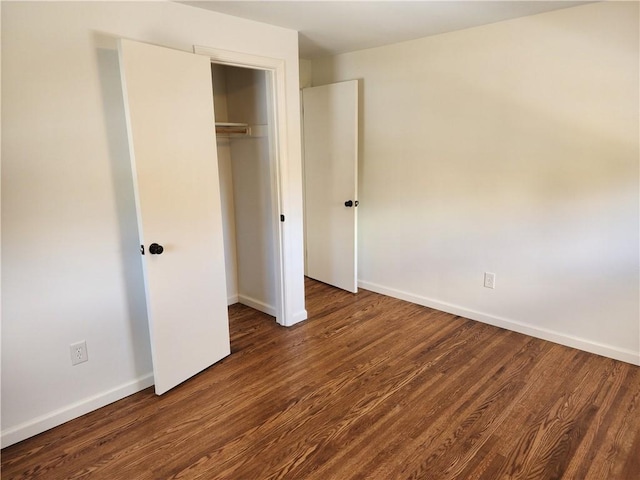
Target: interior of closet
<point x="241" y="105"/>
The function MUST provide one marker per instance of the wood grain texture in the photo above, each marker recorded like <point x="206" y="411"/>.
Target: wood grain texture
<point x="370" y="387"/>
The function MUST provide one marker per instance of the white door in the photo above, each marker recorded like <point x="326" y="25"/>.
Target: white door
<point x="169" y="104"/>
<point x="331" y="183"/>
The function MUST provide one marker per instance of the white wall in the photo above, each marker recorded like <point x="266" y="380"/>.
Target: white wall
<point x="306" y="78"/>
<point x="509" y="148"/>
<point x="71" y="268"/>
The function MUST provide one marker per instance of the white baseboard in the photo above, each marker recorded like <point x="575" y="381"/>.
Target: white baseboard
<point x="268" y="309"/>
<point x="297" y="318"/>
<point x="232" y="300"/>
<point x="58" y="417"/>
<point x="257" y="304"/>
<point x="590" y="346"/>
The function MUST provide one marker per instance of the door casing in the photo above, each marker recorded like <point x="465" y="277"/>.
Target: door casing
<point x="278" y="141"/>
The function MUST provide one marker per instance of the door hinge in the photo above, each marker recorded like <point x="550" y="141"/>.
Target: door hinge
<point x="282" y="218"/>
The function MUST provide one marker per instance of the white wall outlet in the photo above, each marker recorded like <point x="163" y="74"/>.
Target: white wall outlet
<point x="489" y="280"/>
<point x="78" y="352"/>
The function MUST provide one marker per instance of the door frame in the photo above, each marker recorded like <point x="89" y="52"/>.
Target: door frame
<point x="278" y="141"/>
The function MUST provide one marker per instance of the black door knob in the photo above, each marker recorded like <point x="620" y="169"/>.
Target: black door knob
<point x="348" y="203"/>
<point x="155" y="249"/>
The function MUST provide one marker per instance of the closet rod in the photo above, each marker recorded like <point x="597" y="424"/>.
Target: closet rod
<point x="225" y="128"/>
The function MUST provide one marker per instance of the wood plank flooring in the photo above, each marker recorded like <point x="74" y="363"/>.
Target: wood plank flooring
<point x="370" y="387"/>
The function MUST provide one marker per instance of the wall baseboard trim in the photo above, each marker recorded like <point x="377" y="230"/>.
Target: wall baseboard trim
<point x="58" y="417"/>
<point x="586" y="345"/>
<point x="297" y="318"/>
<point x="257" y="304"/>
<point x="232" y="300"/>
<point x="270" y="310"/>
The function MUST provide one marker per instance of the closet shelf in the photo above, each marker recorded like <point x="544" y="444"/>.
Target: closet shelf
<point x="226" y="128"/>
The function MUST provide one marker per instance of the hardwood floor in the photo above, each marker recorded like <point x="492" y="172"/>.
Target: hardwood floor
<point x="369" y="387"/>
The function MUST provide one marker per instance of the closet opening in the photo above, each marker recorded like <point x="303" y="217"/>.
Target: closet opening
<point x="248" y="174"/>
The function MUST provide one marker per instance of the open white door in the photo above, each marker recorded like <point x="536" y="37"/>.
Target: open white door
<point x="331" y="183"/>
<point x="169" y="104"/>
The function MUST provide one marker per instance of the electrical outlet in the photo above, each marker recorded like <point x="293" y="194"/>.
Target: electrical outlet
<point x="489" y="280"/>
<point x="78" y="352"/>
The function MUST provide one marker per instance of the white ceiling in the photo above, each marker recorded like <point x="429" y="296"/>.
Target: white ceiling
<point x="332" y="27"/>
